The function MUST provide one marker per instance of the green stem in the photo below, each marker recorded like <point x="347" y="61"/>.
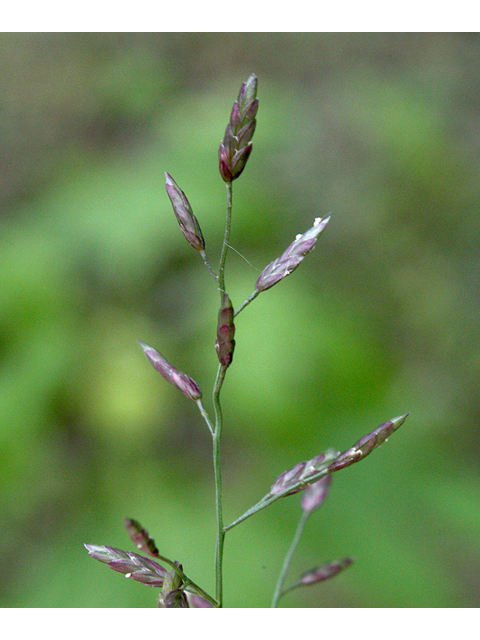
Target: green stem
<point x="226" y="239"/>
<point x="204" y="415"/>
<point x="246" y="302"/>
<point x="208" y="265"/>
<point x="217" y="432"/>
<point x="288" y="558"/>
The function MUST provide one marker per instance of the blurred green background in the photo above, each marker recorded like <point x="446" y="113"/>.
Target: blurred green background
<point x="380" y="130"/>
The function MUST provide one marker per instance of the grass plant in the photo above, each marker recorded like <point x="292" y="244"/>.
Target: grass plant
<point x="312" y="477"/>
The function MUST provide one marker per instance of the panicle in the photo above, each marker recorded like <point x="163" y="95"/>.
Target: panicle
<point x="129" y="563"/>
<point x="183" y="211"/>
<point x="140" y="537"/>
<point x="304" y="474"/>
<point x="187" y="385"/>
<point x="324" y="572"/>
<point x="292" y="256"/>
<point x="225" y="343"/>
<point x="236" y="145"/>
<point x="367" y="444"/>
<point x="301" y="473"/>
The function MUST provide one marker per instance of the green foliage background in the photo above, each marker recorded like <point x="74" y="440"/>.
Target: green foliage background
<point x="380" y="130"/>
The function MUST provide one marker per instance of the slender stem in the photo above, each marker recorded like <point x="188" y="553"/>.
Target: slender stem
<point x="217" y="432"/>
<point x="226" y="239"/>
<point x="261" y="504"/>
<point x="208" y="265"/>
<point x="251" y="297"/>
<point x="204" y="415"/>
<point x="288" y="558"/>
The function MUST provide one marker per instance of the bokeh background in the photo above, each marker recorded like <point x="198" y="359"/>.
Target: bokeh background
<point x="380" y="130"/>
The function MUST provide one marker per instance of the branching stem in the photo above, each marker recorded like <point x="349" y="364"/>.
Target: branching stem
<point x="217" y="430"/>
